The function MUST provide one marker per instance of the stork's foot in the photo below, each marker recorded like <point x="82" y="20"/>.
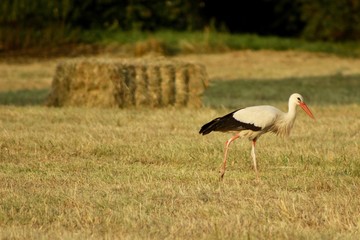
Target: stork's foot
<point x="222" y="173"/>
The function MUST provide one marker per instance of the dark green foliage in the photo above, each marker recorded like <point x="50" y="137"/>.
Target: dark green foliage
<point x="333" y="20"/>
<point x="26" y="24"/>
<point x="42" y="23"/>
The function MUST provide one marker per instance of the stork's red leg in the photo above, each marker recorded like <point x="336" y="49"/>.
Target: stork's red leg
<point x="254" y="157"/>
<point x="222" y="170"/>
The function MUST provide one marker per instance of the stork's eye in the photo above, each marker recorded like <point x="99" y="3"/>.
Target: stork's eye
<point x="299" y="99"/>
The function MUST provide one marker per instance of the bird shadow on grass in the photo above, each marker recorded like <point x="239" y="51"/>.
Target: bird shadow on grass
<point x="24" y="97"/>
<point x="325" y="90"/>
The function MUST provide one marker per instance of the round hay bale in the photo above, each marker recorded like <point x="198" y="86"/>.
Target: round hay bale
<point x="153" y="82"/>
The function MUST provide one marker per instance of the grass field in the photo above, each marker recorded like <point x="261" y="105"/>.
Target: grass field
<point x="77" y="173"/>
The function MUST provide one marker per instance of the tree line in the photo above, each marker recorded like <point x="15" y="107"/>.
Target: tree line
<point x="24" y="22"/>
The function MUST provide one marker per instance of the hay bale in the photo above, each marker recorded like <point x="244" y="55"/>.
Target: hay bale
<point x="167" y="73"/>
<point x="82" y="84"/>
<point x="129" y="86"/>
<point x="197" y="82"/>
<point x="141" y="82"/>
<point x="154" y="82"/>
<point x="181" y="85"/>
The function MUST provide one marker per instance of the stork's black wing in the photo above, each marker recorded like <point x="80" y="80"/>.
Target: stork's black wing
<point x="227" y="123"/>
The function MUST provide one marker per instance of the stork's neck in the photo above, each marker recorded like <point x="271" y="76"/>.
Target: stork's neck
<point x="291" y="114"/>
<point x="284" y="123"/>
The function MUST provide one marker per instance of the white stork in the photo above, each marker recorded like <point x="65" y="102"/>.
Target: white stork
<point x="252" y="122"/>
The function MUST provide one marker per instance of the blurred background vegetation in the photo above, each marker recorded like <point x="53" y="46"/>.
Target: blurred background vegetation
<point x="39" y="24"/>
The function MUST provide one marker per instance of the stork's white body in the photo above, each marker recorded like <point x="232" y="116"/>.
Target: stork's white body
<point x="252" y="122"/>
<point x="268" y="118"/>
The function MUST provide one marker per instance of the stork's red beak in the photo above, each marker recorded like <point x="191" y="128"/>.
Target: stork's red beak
<point x="306" y="109"/>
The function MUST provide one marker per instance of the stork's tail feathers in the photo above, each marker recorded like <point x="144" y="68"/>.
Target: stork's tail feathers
<point x="209" y="127"/>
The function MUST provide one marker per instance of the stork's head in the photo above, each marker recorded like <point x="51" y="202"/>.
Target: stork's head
<point x="297" y="99"/>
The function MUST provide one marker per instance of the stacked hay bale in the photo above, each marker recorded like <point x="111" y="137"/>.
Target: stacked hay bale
<point x="154" y="82"/>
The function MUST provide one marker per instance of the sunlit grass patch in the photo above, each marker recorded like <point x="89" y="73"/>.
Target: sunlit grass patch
<point x="149" y="174"/>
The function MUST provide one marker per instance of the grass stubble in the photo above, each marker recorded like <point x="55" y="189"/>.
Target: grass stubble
<point x="77" y="173"/>
<point x="80" y="173"/>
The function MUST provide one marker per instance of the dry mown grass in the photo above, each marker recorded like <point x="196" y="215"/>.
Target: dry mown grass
<point x="78" y="173"/>
<point x="266" y="64"/>
<point x="90" y="173"/>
